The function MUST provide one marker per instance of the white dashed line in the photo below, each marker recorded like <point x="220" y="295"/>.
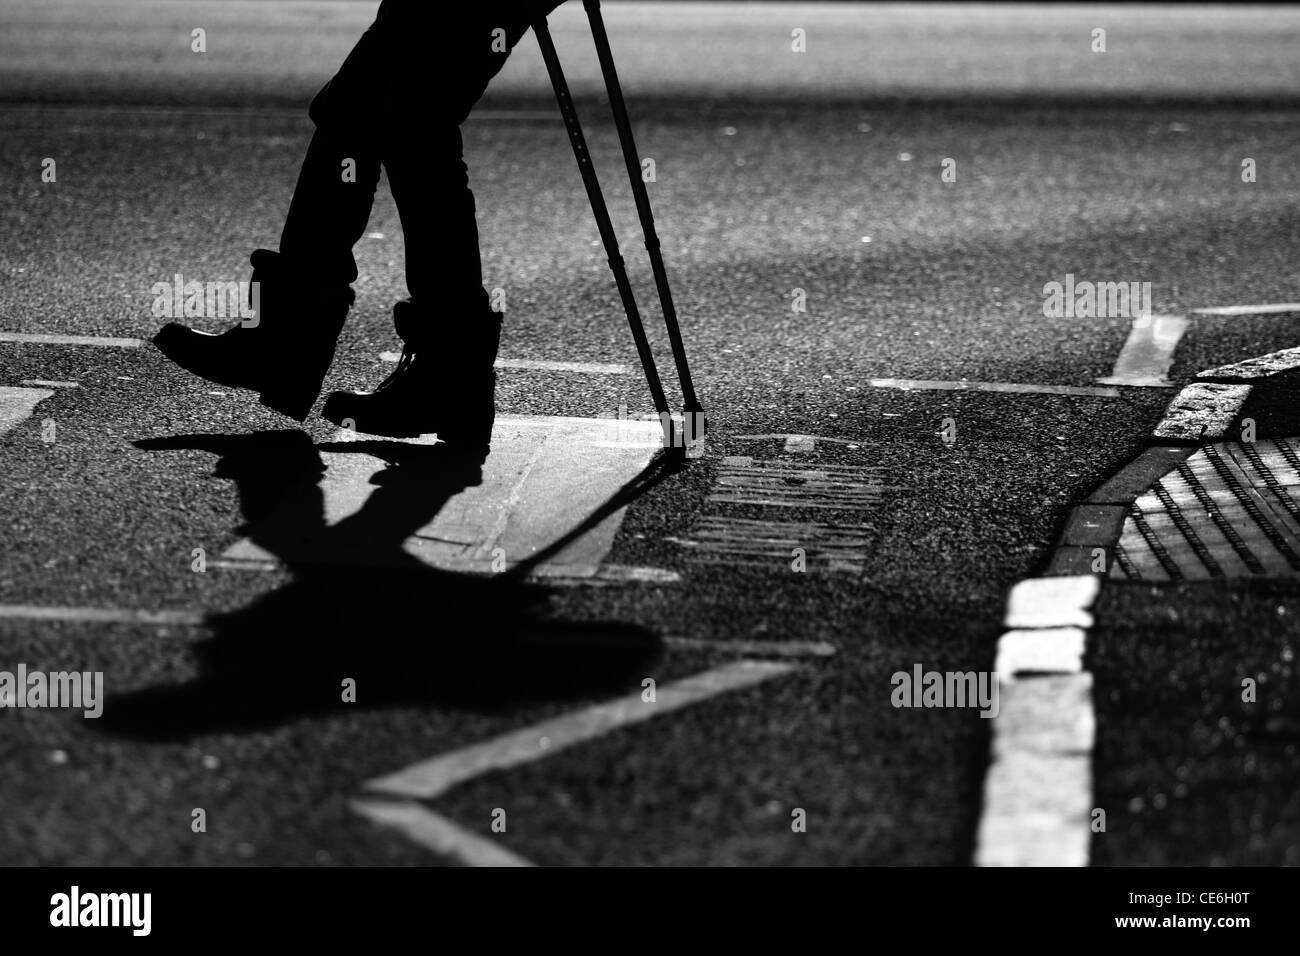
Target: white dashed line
<point x="757" y="648"/>
<point x="44" y="384"/>
<point x="1271" y="309"/>
<point x="1052" y="602"/>
<point x="1148" y="352"/>
<point x="1038" y="791"/>
<point x="1052" y="650"/>
<point x="787" y="436"/>
<point x="800" y="445"/>
<point x="40" y="338"/>
<point x="99" y="615"/>
<point x="540" y="365"/>
<point x="1038" y="787"/>
<point x="922" y="385"/>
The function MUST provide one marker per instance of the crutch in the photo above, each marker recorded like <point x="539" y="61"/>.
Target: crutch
<point x="694" y="422"/>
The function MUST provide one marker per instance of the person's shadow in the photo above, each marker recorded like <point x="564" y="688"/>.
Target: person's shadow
<point x="402" y="631"/>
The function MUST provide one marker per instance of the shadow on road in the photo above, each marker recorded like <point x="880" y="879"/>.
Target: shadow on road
<point x="403" y="631"/>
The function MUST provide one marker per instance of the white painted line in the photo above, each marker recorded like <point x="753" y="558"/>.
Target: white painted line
<point x="591" y="368"/>
<point x="17" y="405"/>
<point x="1038" y="789"/>
<point x="1052" y="650"/>
<point x="512" y="116"/>
<point x="631" y="574"/>
<point x="544" y="365"/>
<point x="1052" y="602"/>
<point x="236" y="564"/>
<point x="609" y="574"/>
<point x="1202" y="410"/>
<point x="544" y="477"/>
<point x="800" y="445"/>
<point x="1148" y="352"/>
<point x="1271" y="309"/>
<point x="916" y="384"/>
<point x="44" y="384"/>
<point x="757" y="648"/>
<point x="786" y="436"/>
<point x="429" y="778"/>
<point x="478" y="115"/>
<point x="421" y="825"/>
<point x="99" y="615"/>
<point x="36" y="338"/>
<point x="1260" y="366"/>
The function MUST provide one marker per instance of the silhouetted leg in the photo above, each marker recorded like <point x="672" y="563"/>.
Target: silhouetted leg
<point x="430" y="184"/>
<point x="331" y="204"/>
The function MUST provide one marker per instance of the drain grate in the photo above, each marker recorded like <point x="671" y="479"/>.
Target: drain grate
<point x="1231" y="510"/>
<point x="782" y="484"/>
<point x="738" y="541"/>
<point x="729" y="536"/>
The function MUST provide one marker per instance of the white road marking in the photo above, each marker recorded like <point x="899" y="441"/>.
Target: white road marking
<point x="800" y="445"/>
<point x="430" y="778"/>
<point x="41" y="338"/>
<point x="1202" y="410"/>
<point x="45" y="384"/>
<point x="545" y="476"/>
<point x="421" y="825"/>
<point x="1148" y="352"/>
<point x="483" y="115"/>
<point x="915" y="384"/>
<point x="1038" y="789"/>
<point x="758" y="648"/>
<point x="606" y="574"/>
<point x="99" y="615"/>
<point x="544" y="365"/>
<point x="1049" y="650"/>
<point x="789" y="435"/>
<point x="1271" y="309"/>
<point x="631" y="574"/>
<point x="17" y="405"/>
<point x="1052" y="602"/>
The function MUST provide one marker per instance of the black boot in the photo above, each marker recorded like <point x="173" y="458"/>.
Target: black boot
<point x="285" y="353"/>
<point x="444" y="384"/>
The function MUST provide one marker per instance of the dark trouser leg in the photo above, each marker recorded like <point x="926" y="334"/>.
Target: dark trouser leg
<point x="430" y="184"/>
<point x="406" y="103"/>
<point x="331" y="204"/>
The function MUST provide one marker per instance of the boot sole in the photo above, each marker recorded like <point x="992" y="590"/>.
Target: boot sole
<point x="294" y="403"/>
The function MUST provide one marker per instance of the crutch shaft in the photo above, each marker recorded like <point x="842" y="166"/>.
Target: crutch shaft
<point x="601" y="213"/>
<point x="641" y="194"/>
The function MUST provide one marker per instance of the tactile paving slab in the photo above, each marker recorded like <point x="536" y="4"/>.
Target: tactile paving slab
<point x="1231" y="510"/>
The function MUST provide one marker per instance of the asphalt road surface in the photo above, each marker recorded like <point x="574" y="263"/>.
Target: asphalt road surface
<point x="782" y="179"/>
